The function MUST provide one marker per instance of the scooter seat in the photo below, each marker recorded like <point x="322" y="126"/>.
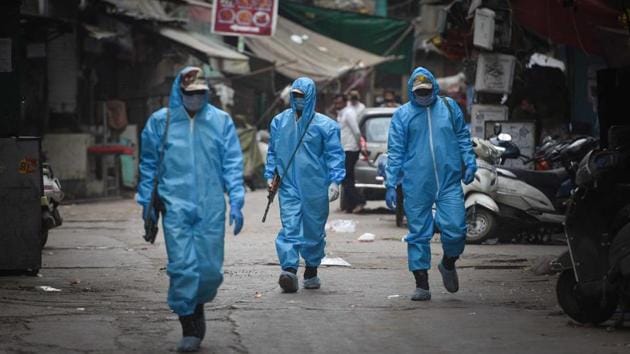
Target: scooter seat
<point x="548" y="182"/>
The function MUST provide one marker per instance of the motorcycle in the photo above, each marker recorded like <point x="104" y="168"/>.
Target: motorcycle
<point x="595" y="271"/>
<point x="53" y="195"/>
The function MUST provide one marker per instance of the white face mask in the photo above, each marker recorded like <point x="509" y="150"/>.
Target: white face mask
<point x="194" y="103"/>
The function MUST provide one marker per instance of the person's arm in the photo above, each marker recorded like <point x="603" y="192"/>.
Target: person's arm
<point x="270" y="166"/>
<point x="233" y="165"/>
<point x="463" y="136"/>
<point x="396" y="148"/>
<point x="150" y="143"/>
<point x="334" y="155"/>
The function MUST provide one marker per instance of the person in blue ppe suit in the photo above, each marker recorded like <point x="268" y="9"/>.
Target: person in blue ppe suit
<point x="202" y="161"/>
<point x="308" y="184"/>
<point x="430" y="153"/>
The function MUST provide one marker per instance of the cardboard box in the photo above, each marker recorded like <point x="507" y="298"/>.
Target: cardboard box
<point x="484" y="28"/>
<point x="495" y="73"/>
<point x="481" y="113"/>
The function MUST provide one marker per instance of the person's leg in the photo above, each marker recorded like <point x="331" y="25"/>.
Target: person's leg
<point x="209" y="246"/>
<point x="182" y="263"/>
<point x="183" y="275"/>
<point x="420" y="223"/>
<point x="349" y="191"/>
<point x="315" y="214"/>
<point x="289" y="239"/>
<point x="451" y="219"/>
<point x="357" y="199"/>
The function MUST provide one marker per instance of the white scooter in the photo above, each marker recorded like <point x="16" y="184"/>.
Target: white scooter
<point x="481" y="208"/>
<point x="53" y="195"/>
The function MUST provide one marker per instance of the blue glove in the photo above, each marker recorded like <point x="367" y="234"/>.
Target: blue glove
<point x="390" y="198"/>
<point x="469" y="174"/>
<point x="149" y="213"/>
<point x="236" y="218"/>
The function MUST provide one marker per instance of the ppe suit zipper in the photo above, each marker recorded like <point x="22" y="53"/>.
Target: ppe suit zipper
<point x="437" y="180"/>
<point x="192" y="150"/>
<point x="297" y="134"/>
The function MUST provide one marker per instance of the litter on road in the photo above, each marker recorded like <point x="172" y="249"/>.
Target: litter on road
<point x="341" y="226"/>
<point x="47" y="288"/>
<point x="367" y="237"/>
<point x="335" y="261"/>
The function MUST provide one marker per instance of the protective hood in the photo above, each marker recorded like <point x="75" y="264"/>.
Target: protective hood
<point x="175" y="100"/>
<point x="307" y="86"/>
<point x="421" y="71"/>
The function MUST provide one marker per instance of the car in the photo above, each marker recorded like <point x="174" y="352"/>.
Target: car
<point x="374" y="127"/>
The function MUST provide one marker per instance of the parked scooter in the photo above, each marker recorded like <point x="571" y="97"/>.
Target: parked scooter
<point x="528" y="204"/>
<point x="53" y="195"/>
<point x="595" y="271"/>
<point x="480" y="194"/>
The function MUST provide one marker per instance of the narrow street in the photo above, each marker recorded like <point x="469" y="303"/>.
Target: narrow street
<point x="113" y="289"/>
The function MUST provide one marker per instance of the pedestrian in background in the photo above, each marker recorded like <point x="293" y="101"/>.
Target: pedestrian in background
<point x="201" y="161"/>
<point x="430" y="144"/>
<point x="355" y="102"/>
<point x="389" y="99"/>
<point x="305" y="151"/>
<point x="352" y="200"/>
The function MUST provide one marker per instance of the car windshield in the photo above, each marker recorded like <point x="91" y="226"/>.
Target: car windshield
<point x="376" y="129"/>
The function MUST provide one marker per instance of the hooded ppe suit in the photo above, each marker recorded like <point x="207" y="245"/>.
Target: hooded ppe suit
<point x="202" y="161"/>
<point x="426" y="149"/>
<point x="304" y="188"/>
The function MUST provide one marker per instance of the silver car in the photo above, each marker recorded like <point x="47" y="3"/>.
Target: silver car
<point x="374" y="126"/>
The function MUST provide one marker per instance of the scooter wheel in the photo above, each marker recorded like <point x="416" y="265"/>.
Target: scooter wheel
<point x="481" y="225"/>
<point x="582" y="308"/>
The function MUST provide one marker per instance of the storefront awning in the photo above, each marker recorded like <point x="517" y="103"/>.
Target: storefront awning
<point x="148" y="10"/>
<point x="376" y="34"/>
<point x="302" y="52"/>
<point x="230" y="60"/>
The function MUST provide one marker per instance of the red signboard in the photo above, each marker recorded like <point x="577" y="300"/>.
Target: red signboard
<point x="244" y="17"/>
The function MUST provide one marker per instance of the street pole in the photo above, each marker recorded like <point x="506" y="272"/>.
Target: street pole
<point x="10" y="119"/>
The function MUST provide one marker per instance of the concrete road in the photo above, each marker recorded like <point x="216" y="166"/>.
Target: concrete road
<point x="113" y="289"/>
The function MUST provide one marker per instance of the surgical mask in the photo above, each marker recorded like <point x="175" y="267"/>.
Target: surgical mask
<point x="195" y="102"/>
<point x="424" y="100"/>
<point x="299" y="103"/>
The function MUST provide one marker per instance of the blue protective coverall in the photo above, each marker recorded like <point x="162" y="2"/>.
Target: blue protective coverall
<point x="426" y="150"/>
<point x="304" y="188"/>
<point x="202" y="162"/>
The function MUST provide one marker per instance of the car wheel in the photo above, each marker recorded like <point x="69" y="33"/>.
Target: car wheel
<point x="481" y="225"/>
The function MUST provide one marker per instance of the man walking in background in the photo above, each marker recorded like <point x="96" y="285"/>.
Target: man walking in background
<point x="355" y="102"/>
<point x="352" y="201"/>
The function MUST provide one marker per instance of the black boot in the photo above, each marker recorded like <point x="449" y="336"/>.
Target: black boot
<point x="200" y="318"/>
<point x="191" y="334"/>
<point x="422" y="292"/>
